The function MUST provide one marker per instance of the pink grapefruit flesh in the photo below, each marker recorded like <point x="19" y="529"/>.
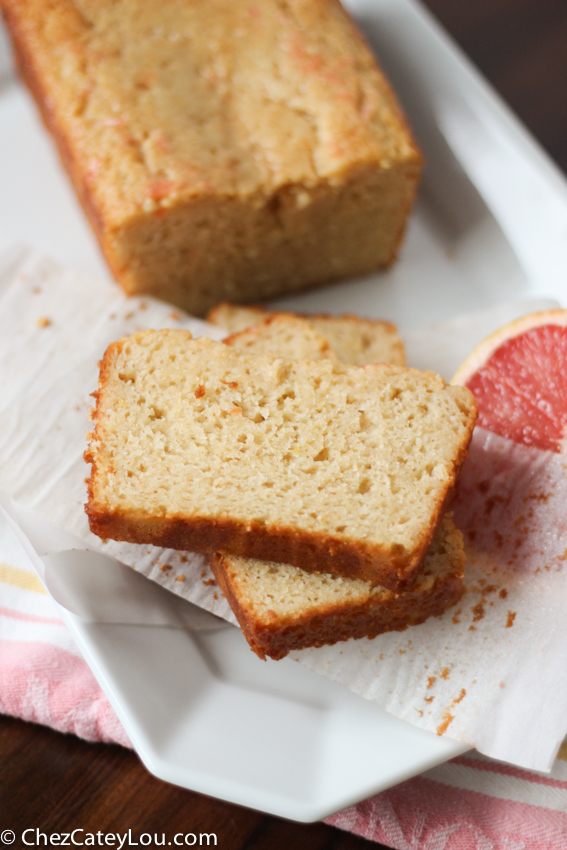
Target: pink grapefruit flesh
<point x="519" y="379"/>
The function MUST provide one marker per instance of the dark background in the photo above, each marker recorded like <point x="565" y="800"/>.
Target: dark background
<point x="56" y="782"/>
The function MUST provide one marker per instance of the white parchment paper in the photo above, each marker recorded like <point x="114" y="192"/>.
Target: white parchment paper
<point x="491" y="672"/>
<point x="55" y="325"/>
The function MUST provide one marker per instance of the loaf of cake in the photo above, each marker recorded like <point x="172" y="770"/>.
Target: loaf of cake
<point x="285" y="336"/>
<point x="316" y="464"/>
<point x="281" y="608"/>
<point x="353" y="339"/>
<point x="222" y="149"/>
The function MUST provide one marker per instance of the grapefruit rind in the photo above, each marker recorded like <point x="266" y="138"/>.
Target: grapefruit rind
<point x="484" y="350"/>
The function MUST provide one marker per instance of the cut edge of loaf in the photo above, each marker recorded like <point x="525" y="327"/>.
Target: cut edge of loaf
<point x="373" y="611"/>
<point x="389" y="564"/>
<point x="236" y="318"/>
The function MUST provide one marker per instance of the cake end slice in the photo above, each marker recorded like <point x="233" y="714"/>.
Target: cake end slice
<point x="353" y="339"/>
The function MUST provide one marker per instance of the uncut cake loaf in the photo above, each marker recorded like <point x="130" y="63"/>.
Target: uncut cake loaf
<point x="221" y="149"/>
<point x="281" y="608"/>
<point x="353" y="339"/>
<point x="197" y="446"/>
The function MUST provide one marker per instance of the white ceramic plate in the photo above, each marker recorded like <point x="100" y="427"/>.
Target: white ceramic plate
<point x="491" y="224"/>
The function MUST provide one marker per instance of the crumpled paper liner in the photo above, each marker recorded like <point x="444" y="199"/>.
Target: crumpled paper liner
<point x="490" y="672"/>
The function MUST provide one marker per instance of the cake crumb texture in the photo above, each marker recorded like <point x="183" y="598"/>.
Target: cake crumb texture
<point x="286" y="336"/>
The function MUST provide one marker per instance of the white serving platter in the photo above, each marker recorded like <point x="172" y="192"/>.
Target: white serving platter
<point x="490" y="224"/>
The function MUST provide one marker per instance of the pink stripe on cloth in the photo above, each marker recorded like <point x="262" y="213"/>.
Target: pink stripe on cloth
<point x="422" y="814"/>
<point x="29" y="618"/>
<point x="509" y="770"/>
<point x="44" y="684"/>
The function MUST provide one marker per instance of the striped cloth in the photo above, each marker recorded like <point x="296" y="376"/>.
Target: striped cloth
<point x="43" y="677"/>
<point x="470" y="803"/>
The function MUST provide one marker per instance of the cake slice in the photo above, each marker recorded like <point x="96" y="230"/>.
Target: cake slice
<point x="354" y="340"/>
<point x="315" y="464"/>
<point x="281" y="608"/>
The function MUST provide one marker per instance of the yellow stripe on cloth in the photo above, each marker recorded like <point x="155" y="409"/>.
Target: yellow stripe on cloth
<point x="21" y="578"/>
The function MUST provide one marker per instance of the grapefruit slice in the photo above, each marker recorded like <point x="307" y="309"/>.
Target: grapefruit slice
<point x="519" y="378"/>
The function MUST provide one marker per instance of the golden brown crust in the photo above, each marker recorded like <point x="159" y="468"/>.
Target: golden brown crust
<point x="332" y="624"/>
<point x="308" y="550"/>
